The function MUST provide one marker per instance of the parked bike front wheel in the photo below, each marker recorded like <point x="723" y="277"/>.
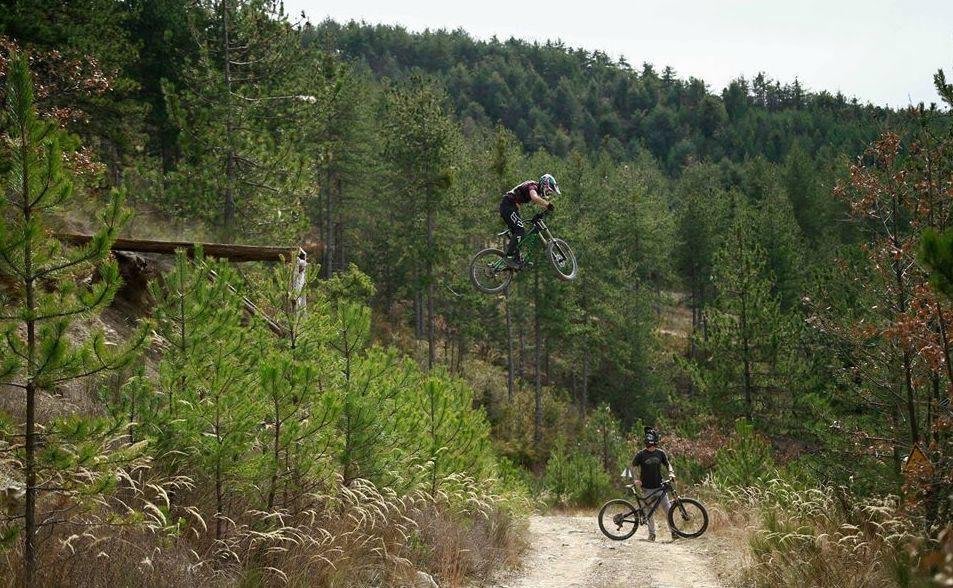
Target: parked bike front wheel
<point x="618" y="519"/>
<point x="489" y="272"/>
<point x="562" y="258"/>
<point x="688" y="518"/>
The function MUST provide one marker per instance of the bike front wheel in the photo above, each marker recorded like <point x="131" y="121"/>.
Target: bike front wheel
<point x="688" y="518"/>
<point x="489" y="271"/>
<point x="618" y="519"/>
<point x="562" y="258"/>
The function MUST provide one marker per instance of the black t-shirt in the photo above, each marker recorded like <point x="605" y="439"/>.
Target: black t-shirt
<point x="650" y="464"/>
<point x="520" y="194"/>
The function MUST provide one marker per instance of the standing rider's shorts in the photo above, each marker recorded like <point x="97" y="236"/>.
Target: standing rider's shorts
<point x="511" y="216"/>
<point x="649" y="495"/>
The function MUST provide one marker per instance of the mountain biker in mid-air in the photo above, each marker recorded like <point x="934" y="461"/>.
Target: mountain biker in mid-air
<point x="650" y="461"/>
<point x="528" y="191"/>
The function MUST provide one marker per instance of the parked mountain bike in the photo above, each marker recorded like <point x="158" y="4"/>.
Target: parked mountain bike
<point x="619" y="519"/>
<point x="490" y="272"/>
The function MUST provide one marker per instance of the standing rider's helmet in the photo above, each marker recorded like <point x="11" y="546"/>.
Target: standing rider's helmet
<point x="651" y="437"/>
<point x="548" y="185"/>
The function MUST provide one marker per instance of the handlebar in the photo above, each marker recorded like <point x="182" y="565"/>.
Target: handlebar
<point x="539" y="215"/>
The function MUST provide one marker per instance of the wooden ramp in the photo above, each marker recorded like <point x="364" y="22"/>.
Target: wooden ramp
<point x="227" y="251"/>
<point x="218" y="250"/>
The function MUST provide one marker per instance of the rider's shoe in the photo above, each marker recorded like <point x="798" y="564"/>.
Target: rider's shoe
<point x="651" y="536"/>
<point x="675" y="537"/>
<point x="515" y="263"/>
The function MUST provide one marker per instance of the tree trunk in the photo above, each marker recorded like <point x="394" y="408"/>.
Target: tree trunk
<point x="538" y="389"/>
<point x="696" y="317"/>
<point x="342" y="255"/>
<point x="328" y="224"/>
<point x="746" y="360"/>
<point x="229" y="212"/>
<point x="911" y="402"/>
<point x="901" y="309"/>
<point x="546" y="355"/>
<point x="431" y="338"/>
<point x="932" y="404"/>
<point x="897" y="452"/>
<point x="418" y="314"/>
<point x="509" y="346"/>
<point x="521" y="372"/>
<point x="276" y="455"/>
<point x="585" y="379"/>
<point x="576" y="393"/>
<point x="703" y="321"/>
<point x="219" y="500"/>
<point x="29" y="515"/>
<point x="29" y="551"/>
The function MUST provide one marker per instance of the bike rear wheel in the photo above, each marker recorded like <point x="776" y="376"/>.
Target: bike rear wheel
<point x="618" y="519"/>
<point x="562" y="258"/>
<point x="688" y="518"/>
<point x="489" y="272"/>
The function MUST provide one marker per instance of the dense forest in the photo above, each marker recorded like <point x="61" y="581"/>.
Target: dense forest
<point x="766" y="276"/>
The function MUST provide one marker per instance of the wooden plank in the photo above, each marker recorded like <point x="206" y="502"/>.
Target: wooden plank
<point x="212" y="250"/>
<point x="227" y="251"/>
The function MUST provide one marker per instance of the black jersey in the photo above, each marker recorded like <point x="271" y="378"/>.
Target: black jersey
<point x="650" y="464"/>
<point x="520" y="193"/>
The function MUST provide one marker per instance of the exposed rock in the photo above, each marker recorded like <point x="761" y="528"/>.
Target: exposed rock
<point x="136" y="271"/>
<point x="424" y="580"/>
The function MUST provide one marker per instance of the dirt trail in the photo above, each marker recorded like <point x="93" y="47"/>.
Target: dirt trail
<point x="571" y="551"/>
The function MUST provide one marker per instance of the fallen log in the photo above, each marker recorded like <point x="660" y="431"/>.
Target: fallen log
<point x="227" y="251"/>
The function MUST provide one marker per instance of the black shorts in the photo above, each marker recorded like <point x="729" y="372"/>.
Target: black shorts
<point x="511" y="216"/>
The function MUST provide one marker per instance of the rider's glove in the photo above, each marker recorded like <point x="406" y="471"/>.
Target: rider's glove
<point x="550" y="207"/>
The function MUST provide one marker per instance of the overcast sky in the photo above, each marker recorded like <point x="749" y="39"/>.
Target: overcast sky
<point x="882" y="51"/>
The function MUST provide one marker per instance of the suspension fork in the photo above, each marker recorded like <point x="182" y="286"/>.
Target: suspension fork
<point x="676" y="501"/>
<point x="544" y="235"/>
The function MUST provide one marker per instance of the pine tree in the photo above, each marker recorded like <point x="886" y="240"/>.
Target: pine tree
<point x="502" y="165"/>
<point x="339" y="135"/>
<point x="747" y="367"/>
<point x="450" y="432"/>
<point x="700" y="216"/>
<point x="420" y="141"/>
<point x="237" y="110"/>
<point x="209" y="378"/>
<point x="295" y="378"/>
<point x="49" y="289"/>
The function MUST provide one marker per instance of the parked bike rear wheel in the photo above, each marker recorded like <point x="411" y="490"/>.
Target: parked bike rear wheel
<point x="688" y="518"/>
<point x="618" y="519"/>
<point x="562" y="258"/>
<point x="489" y="272"/>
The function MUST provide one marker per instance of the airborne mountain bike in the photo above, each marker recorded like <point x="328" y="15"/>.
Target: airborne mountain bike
<point x="490" y="272"/>
<point x="619" y="519"/>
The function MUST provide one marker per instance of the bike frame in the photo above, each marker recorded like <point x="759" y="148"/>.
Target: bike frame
<point x="656" y="499"/>
<point x="539" y="232"/>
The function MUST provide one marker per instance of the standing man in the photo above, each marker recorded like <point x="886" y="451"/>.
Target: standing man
<point x="650" y="461"/>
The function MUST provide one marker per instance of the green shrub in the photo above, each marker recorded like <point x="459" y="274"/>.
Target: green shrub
<point x="575" y="478"/>
<point x="746" y="461"/>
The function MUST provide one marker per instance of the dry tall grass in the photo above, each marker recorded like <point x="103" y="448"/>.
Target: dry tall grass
<point x="818" y="538"/>
<point x="360" y="535"/>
